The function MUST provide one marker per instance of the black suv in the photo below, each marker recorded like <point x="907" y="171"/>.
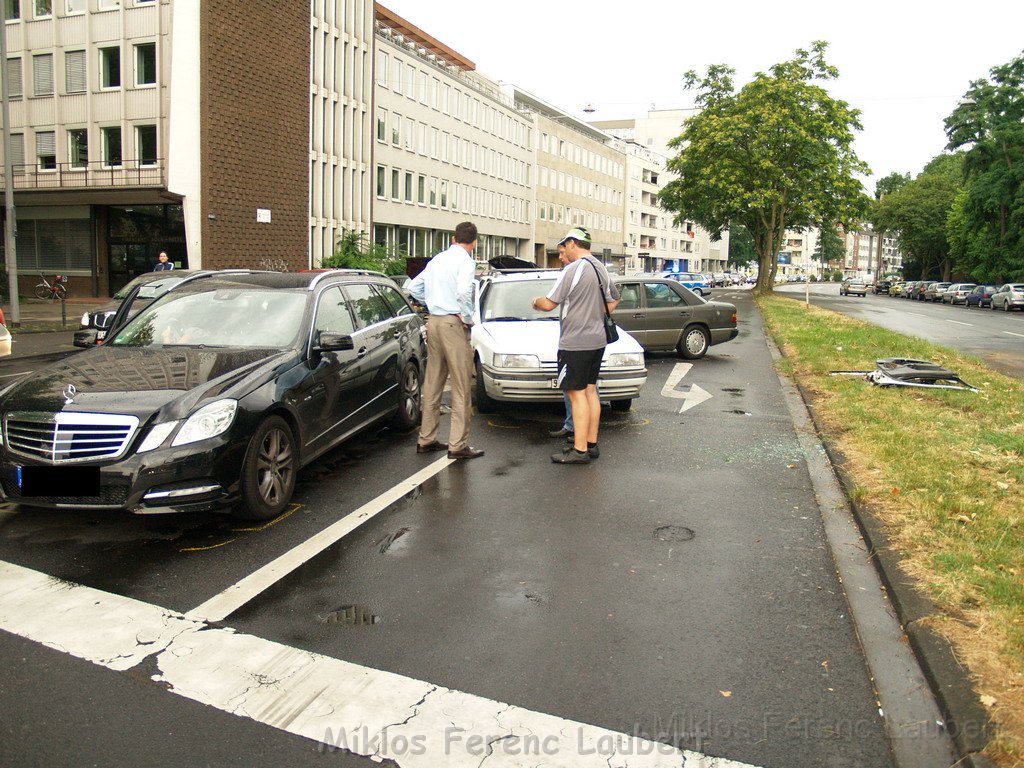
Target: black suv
<point x="215" y="395"/>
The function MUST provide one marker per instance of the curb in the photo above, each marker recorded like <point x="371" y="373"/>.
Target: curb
<point x="966" y="720"/>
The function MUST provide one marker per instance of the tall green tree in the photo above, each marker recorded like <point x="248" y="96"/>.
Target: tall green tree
<point x="742" y="252"/>
<point x="776" y="154"/>
<point x="830" y="246"/>
<point x="989" y="123"/>
<point x="918" y="213"/>
<point x="891" y="183"/>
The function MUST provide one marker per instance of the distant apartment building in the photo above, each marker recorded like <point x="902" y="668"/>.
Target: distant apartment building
<point x="449" y="146"/>
<point x="694" y="249"/>
<point x="115" y="159"/>
<point x="580" y="183"/>
<point x="871" y="254"/>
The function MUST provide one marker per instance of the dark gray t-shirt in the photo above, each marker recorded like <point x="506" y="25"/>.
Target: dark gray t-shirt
<point x="581" y="305"/>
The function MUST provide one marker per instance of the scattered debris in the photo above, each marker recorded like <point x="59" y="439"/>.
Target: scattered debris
<point x="906" y="372"/>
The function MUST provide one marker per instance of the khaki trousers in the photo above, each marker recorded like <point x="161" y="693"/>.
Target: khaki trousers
<point x="448" y="355"/>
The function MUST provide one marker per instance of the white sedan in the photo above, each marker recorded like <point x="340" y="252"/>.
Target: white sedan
<point x="515" y="347"/>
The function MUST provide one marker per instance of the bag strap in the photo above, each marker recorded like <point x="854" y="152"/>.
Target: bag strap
<point x="600" y="285"/>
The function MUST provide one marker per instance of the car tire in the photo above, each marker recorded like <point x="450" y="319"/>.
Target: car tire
<point x="484" y="402"/>
<point x="621" y="406"/>
<point x="1006" y="306"/>
<point x="410" y="399"/>
<point x="694" y="343"/>
<point x="268" y="471"/>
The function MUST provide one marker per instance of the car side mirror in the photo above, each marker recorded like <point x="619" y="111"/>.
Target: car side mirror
<point x="332" y="342"/>
<point x="85" y="338"/>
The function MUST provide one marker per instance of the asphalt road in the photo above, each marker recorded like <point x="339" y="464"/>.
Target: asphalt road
<point x="680" y="588"/>
<point x="994" y="336"/>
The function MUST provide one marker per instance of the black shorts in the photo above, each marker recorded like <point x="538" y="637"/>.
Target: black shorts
<point x="578" y="368"/>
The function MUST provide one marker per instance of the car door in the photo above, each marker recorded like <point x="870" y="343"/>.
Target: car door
<point x="331" y="394"/>
<point x="667" y="313"/>
<point x="629" y="315"/>
<point x="377" y="346"/>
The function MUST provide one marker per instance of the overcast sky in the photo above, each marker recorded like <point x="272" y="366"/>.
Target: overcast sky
<point x="903" y="63"/>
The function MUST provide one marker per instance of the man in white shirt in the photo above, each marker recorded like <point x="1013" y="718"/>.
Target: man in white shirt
<point x="446" y="287"/>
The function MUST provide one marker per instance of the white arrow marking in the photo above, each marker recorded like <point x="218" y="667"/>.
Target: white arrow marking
<point x="691" y="397"/>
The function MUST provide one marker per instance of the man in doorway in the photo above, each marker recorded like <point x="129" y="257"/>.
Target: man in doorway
<point x="583" y="291"/>
<point x="445" y="286"/>
<point x="163" y="264"/>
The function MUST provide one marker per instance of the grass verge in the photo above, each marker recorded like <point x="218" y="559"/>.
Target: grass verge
<point x="944" y="471"/>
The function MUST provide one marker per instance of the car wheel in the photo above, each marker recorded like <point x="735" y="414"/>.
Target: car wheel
<point x="694" y="344"/>
<point x="1006" y="306"/>
<point x="410" y="399"/>
<point x="484" y="402"/>
<point x="621" y="406"/>
<point x="268" y="471"/>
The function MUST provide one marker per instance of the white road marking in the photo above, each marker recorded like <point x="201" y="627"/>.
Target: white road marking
<point x="969" y="325"/>
<point x="691" y="397"/>
<point x="234" y="597"/>
<point x="369" y="712"/>
<point x="916" y="314"/>
<point x="9" y="375"/>
<point x="1015" y="334"/>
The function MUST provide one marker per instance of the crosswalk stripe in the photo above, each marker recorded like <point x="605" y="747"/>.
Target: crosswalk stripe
<point x="341" y="705"/>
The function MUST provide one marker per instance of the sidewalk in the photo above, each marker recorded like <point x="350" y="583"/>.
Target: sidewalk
<point x="42" y="331"/>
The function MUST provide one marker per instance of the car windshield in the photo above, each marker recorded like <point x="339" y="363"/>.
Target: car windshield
<point x="513" y="300"/>
<point x="151" y="286"/>
<point x="242" y="317"/>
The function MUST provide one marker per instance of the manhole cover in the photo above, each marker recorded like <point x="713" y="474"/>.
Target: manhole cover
<point x="353" y="615"/>
<point x="674" y="533"/>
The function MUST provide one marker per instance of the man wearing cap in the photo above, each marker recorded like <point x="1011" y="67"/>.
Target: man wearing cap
<point x="446" y="286"/>
<point x="582" y="290"/>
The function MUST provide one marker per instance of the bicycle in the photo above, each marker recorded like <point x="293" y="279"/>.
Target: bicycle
<point x="53" y="291"/>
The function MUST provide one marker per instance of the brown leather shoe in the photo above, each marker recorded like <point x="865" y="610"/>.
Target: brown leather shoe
<point x="469" y="452"/>
<point x="431" y="447"/>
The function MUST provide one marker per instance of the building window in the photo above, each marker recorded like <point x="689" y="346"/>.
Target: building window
<point x="13" y="9"/>
<point x="146" y="139"/>
<point x="46" y="150"/>
<point x="110" y="67"/>
<point x="75" y="6"/>
<point x="14" y="78"/>
<point x="74" y="72"/>
<point x="145" y="64"/>
<point x="78" y="147"/>
<point x="396" y="129"/>
<point x="382" y="122"/>
<point x="380" y="181"/>
<point x="396" y="76"/>
<point x="444" y="193"/>
<point x="43" y="8"/>
<point x="106" y="5"/>
<point x="408" y="186"/>
<point x="382" y="69"/>
<point x="395" y="184"/>
<point x="112" y="156"/>
<point x="421" y="189"/>
<point x="42" y="74"/>
<point x="433" y="191"/>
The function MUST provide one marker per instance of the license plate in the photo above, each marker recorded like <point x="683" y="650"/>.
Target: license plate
<point x="101" y="334"/>
<point x="59" y="481"/>
<point x="554" y="383"/>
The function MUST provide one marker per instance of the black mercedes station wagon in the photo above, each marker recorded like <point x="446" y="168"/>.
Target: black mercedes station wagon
<point x="215" y="395"/>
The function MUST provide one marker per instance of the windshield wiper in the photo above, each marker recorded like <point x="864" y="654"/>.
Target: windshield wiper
<point x="505" y="318"/>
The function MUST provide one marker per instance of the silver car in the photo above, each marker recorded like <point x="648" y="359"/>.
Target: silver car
<point x="957" y="293"/>
<point x="1009" y="296"/>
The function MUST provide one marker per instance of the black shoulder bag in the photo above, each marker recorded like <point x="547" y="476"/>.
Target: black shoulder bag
<point x="611" y="331"/>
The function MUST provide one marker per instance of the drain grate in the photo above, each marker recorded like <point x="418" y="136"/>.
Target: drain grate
<point x="352" y="615"/>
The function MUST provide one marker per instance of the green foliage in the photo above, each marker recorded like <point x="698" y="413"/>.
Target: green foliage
<point x="354" y="251"/>
<point x="830" y="246"/>
<point x="891" y="183"/>
<point x="918" y="212"/>
<point x="988" y="225"/>
<point x="742" y="252"/>
<point x="776" y="154"/>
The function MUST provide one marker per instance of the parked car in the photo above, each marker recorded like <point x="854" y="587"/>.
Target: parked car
<point x="853" y="287"/>
<point x="957" y="293"/>
<point x="980" y="296"/>
<point x="934" y="291"/>
<point x="910" y="289"/>
<point x="516" y="346"/>
<point x="5" y="336"/>
<point x="695" y="281"/>
<point x="896" y="289"/>
<point x="922" y="286"/>
<point x="665" y="316"/>
<point x="1009" y="296"/>
<point x="215" y="395"/>
<point x="883" y="285"/>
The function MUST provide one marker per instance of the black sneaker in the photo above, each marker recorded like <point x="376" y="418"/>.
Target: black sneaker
<point x="571" y="456"/>
<point x="593" y="451"/>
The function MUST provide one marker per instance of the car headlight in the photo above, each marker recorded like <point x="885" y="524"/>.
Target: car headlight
<point x="624" y="359"/>
<point x="157" y="435"/>
<point x="85" y="320"/>
<point x="516" y="361"/>
<point x="209" y="421"/>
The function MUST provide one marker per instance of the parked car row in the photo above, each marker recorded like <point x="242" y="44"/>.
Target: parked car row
<point x="1005" y="297"/>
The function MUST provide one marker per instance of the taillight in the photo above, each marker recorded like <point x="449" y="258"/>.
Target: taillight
<point x="734" y="318"/>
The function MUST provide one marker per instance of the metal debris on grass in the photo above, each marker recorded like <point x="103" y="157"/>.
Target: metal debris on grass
<point x="906" y="372"/>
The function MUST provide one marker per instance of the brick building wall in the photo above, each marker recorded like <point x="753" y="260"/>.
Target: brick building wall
<point x="254" y="102"/>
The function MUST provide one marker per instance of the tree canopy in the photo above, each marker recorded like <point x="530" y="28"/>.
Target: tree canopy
<point x="742" y="252"/>
<point x="776" y="154"/>
<point x="987" y="223"/>
<point x="830" y="246"/>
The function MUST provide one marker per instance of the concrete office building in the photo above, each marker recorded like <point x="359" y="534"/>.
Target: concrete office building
<point x="698" y="252"/>
<point x="181" y="125"/>
<point x="581" y="174"/>
<point x="449" y="146"/>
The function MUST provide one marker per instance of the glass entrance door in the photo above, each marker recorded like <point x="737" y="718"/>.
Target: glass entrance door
<point x="126" y="261"/>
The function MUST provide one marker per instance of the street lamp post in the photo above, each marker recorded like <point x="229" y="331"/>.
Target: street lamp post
<point x="11" y="220"/>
